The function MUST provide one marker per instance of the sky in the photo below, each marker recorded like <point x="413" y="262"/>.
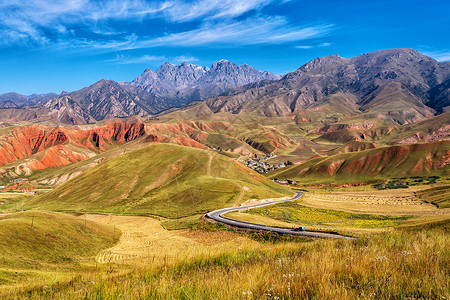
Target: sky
<point x="65" y="45"/>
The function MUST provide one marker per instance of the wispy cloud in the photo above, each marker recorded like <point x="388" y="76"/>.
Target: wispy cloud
<point x="313" y="46"/>
<point x="181" y="59"/>
<point x="90" y="24"/>
<point x="443" y="55"/>
<point x="269" y="30"/>
<point x="212" y="9"/>
<point x="128" y="59"/>
<point x="38" y="20"/>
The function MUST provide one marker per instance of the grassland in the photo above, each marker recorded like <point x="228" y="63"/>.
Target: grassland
<point x="371" y="166"/>
<point x="165" y="180"/>
<point x="403" y="264"/>
<point x="326" y="219"/>
<point x="439" y="196"/>
<point x="145" y="242"/>
<point x="371" y="201"/>
<point x="12" y="201"/>
<point x="42" y="247"/>
<point x="395" y="256"/>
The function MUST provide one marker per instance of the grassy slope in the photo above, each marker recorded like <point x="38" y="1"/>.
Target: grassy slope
<point x="56" y="242"/>
<point x="439" y="196"/>
<point x="378" y="163"/>
<point x="163" y="179"/>
<point x="402" y="264"/>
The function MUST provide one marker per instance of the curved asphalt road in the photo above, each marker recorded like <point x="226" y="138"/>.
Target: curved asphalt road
<point x="216" y="215"/>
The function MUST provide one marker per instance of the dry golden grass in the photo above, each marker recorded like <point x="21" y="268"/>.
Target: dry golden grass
<point x="386" y="202"/>
<point x="403" y="264"/>
<point x="241" y="216"/>
<point x="145" y="241"/>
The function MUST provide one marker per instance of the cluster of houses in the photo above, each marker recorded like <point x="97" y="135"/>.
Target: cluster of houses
<point x="261" y="165"/>
<point x="15" y="184"/>
<point x="286" y="181"/>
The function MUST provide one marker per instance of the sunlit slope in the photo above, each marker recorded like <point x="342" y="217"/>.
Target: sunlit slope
<point x="162" y="179"/>
<point x="383" y="162"/>
<point x="49" y="242"/>
<point x="439" y="196"/>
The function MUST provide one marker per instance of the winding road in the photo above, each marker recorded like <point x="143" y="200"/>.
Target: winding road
<point x="216" y="215"/>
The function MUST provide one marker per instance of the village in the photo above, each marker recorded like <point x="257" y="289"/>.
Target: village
<point x="261" y="165"/>
<point x="20" y="185"/>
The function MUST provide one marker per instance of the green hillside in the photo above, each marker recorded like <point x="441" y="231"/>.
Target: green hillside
<point x="372" y="164"/>
<point x="163" y="179"/>
<point x="37" y="244"/>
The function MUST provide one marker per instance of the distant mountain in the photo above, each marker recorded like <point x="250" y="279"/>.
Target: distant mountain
<point x="394" y="86"/>
<point x="15" y="100"/>
<point x="181" y="84"/>
<point x="401" y="85"/>
<point x="104" y="99"/>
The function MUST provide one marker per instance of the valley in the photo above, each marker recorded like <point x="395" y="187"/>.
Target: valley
<point x="105" y="191"/>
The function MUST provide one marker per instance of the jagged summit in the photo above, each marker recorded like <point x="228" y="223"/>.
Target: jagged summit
<point x="188" y="82"/>
<point x="401" y="85"/>
<point x="396" y="85"/>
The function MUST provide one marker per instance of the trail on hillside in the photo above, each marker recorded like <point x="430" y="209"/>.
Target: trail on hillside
<point x="208" y="169"/>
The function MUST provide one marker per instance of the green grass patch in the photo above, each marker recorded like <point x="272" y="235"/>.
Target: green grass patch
<point x="405" y="182"/>
<point x="308" y="216"/>
<point x="11" y="201"/>
<point x="272" y="239"/>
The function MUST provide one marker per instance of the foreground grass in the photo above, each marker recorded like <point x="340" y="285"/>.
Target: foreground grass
<point x="36" y="246"/>
<point x="411" y="263"/>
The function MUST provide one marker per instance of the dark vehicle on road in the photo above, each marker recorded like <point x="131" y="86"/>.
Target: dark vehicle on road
<point x="301" y="228"/>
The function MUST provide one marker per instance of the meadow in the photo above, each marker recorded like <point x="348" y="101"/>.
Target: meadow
<point x="401" y="251"/>
<point x="407" y="263"/>
<point x="166" y="180"/>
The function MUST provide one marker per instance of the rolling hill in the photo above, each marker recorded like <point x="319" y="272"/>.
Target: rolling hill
<point x="372" y="164"/>
<point x="41" y="245"/>
<point x="163" y="179"/>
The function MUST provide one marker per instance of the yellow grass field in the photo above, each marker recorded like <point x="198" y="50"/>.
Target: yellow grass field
<point x="145" y="242"/>
<point x="386" y="202"/>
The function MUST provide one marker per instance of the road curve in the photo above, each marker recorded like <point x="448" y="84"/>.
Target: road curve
<point x="216" y="215"/>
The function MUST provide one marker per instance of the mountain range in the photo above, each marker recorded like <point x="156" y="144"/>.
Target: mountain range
<point x="394" y="86"/>
<point x="398" y="85"/>
<point x="152" y="92"/>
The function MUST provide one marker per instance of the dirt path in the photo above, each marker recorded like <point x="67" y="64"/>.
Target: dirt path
<point x="208" y="168"/>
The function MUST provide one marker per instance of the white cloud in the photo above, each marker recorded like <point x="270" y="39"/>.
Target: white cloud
<point x="270" y="30"/>
<point x="313" y="46"/>
<point x="182" y="11"/>
<point x="180" y="59"/>
<point x="72" y="23"/>
<point x="127" y="59"/>
<point x="443" y="55"/>
<point x="32" y="20"/>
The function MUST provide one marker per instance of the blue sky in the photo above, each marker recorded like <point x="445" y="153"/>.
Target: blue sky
<point x="50" y="46"/>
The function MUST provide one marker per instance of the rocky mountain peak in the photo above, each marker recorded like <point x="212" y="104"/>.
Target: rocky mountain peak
<point x="187" y="82"/>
